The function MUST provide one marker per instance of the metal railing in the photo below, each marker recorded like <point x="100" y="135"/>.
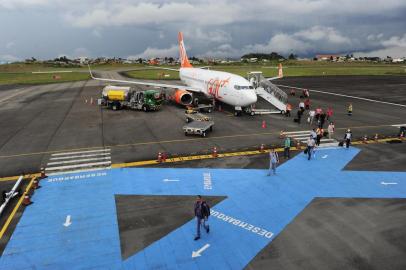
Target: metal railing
<point x="273" y="90"/>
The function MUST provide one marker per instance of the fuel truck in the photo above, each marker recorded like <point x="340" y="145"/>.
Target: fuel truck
<point x="122" y="97"/>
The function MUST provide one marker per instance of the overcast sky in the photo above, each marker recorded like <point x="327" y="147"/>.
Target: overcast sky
<point x="212" y="28"/>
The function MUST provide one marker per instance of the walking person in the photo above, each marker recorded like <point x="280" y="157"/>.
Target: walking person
<point x="347" y="138"/>
<point x="322" y="120"/>
<point x="350" y="109"/>
<point x="301" y="105"/>
<point x="202" y="213"/>
<point x="330" y="129"/>
<point x="307" y="104"/>
<point x="312" y="113"/>
<point x="286" y="152"/>
<point x="329" y="113"/>
<point x="310" y="146"/>
<point x="288" y="109"/>
<point x="273" y="160"/>
<point x="319" y="134"/>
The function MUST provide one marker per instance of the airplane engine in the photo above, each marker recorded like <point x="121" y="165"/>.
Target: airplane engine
<point x="183" y="97"/>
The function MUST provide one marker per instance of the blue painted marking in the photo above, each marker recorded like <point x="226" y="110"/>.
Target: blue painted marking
<point x="258" y="205"/>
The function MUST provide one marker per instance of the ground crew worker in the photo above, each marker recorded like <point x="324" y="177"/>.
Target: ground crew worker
<point x="288" y="109"/>
<point x="350" y="109"/>
<point x="202" y="213"/>
<point x="273" y="160"/>
<point x="310" y="146"/>
<point x="322" y="119"/>
<point x="286" y="153"/>
<point x="330" y="130"/>
<point x="347" y="138"/>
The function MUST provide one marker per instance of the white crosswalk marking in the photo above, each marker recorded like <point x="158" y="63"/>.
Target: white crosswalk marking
<point x="303" y="135"/>
<point x="88" y="160"/>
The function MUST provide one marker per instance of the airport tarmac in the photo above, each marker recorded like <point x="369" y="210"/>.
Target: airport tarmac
<point x="327" y="213"/>
<point x="42" y="123"/>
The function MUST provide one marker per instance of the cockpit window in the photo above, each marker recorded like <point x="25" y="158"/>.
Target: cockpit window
<point x="242" y="87"/>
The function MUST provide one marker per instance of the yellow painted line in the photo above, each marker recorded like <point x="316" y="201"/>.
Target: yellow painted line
<point x="10" y="218"/>
<point x="168" y="141"/>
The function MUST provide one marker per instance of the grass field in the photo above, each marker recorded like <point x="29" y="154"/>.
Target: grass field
<point x="29" y="78"/>
<point x="305" y="69"/>
<point x="20" y="73"/>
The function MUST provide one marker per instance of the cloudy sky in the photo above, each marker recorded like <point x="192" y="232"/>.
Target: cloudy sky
<point x="212" y="28"/>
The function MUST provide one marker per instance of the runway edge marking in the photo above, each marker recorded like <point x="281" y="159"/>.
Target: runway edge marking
<point x="10" y="218"/>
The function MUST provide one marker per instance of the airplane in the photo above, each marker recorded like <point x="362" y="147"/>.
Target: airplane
<point x="222" y="86"/>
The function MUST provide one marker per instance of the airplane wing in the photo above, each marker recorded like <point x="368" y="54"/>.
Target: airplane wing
<point x="162" y="85"/>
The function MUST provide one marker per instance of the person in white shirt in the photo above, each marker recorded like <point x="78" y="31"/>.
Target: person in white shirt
<point x="347" y="138"/>
<point x="312" y="113"/>
<point x="310" y="146"/>
<point x="330" y="130"/>
<point x="273" y="160"/>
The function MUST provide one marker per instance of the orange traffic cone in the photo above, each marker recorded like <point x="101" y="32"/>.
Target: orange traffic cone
<point x="27" y="200"/>
<point x="43" y="175"/>
<point x="261" y="149"/>
<point x="376" y="137"/>
<point x="214" y="154"/>
<point x="35" y="184"/>
<point x="263" y="124"/>
<point x="365" y="139"/>
<point x="402" y="135"/>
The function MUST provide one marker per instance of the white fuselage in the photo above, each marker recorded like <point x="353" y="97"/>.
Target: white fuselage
<point x="223" y="86"/>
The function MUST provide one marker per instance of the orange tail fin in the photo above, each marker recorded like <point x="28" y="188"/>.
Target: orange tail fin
<point x="184" y="61"/>
<point x="280" y="71"/>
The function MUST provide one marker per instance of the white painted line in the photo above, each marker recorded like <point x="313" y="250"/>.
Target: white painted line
<point x="320" y="148"/>
<point x="327" y="140"/>
<point x="301" y="137"/>
<point x="198" y="253"/>
<point x="342" y="95"/>
<point x="67" y="221"/>
<point x="56" y="71"/>
<point x="78" y="160"/>
<point x="78" y="166"/>
<point x="399" y="125"/>
<point x="296" y="132"/>
<point x="81" y="152"/>
<point x="388" y="183"/>
<point x="80" y="156"/>
<point x="80" y="171"/>
<point x="171" y="180"/>
<point x="325" y="156"/>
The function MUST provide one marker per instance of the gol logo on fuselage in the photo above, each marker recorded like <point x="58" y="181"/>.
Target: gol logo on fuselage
<point x="214" y="85"/>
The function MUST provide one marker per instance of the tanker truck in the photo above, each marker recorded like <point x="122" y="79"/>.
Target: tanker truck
<point x="118" y="97"/>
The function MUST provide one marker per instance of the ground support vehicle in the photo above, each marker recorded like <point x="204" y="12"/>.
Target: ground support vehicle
<point x="117" y="97"/>
<point x="198" y="128"/>
<point x="196" y="117"/>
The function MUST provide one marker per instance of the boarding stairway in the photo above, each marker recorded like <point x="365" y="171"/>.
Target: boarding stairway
<point x="268" y="91"/>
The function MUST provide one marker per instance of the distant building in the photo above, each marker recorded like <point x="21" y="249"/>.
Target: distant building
<point x="398" y="60"/>
<point x="327" y="57"/>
